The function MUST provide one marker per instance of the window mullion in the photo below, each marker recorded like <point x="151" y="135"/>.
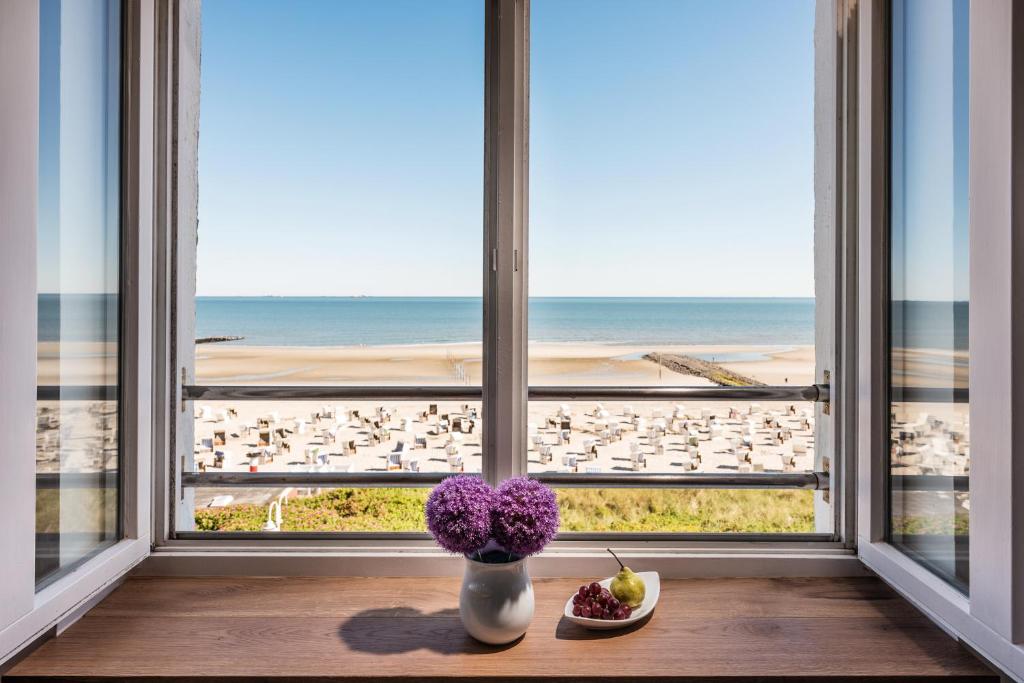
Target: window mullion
<point x="505" y="295"/>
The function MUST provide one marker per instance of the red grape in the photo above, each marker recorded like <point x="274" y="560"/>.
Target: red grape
<point x="628" y="610"/>
<point x="595" y="588"/>
<point x="585" y="611"/>
<point x="613" y="604"/>
<point x="577" y="610"/>
<point x="619" y="614"/>
<point x="584" y="592"/>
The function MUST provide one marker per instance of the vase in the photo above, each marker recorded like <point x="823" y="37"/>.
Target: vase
<point x="496" y="602"/>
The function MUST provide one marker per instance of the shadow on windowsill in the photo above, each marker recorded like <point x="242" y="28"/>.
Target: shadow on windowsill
<point x="567" y="630"/>
<point x="400" y="630"/>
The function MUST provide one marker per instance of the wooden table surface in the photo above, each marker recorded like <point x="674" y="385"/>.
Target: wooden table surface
<point x="380" y="628"/>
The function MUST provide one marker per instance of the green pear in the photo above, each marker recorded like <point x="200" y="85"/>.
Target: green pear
<point x="627" y="586"/>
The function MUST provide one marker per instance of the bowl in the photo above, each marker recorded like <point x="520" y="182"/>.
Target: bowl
<point x="652" y="585"/>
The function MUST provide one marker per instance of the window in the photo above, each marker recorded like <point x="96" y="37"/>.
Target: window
<point x="672" y="245"/>
<point x="929" y="355"/>
<point x="342" y="250"/>
<point x="661" y="359"/>
<point x="79" y="237"/>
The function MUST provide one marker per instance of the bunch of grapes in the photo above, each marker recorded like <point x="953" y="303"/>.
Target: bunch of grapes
<point x="594" y="602"/>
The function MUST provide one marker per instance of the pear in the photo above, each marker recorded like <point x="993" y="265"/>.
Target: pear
<point x="627" y="586"/>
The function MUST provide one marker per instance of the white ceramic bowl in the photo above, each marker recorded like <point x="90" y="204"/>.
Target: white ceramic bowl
<point x="652" y="590"/>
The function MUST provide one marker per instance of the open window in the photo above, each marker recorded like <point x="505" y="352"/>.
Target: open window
<point x="76" y="182"/>
<point x="336" y="350"/>
<point x="937" y="487"/>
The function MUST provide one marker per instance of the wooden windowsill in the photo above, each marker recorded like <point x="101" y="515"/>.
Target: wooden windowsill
<point x="380" y="628"/>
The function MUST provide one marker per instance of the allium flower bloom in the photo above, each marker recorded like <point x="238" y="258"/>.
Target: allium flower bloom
<point x="459" y="514"/>
<point x="525" y="516"/>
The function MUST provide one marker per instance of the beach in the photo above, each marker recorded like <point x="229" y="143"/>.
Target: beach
<point x="704" y="436"/>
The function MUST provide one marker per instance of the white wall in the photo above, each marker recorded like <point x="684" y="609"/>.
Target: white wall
<point x="19" y="114"/>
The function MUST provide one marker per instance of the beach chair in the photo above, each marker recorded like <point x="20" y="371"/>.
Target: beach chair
<point x="545" y="453"/>
<point x="394" y="462"/>
<point x="420" y="442"/>
<point x="455" y="464"/>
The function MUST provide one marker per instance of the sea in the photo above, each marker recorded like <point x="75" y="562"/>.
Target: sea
<point x="353" y="321"/>
<point x="367" y="321"/>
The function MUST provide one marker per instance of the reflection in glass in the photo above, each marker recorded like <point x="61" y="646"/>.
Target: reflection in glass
<point x="77" y="451"/>
<point x="930" y="429"/>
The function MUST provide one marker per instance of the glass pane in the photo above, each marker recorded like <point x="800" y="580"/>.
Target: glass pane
<point x="77" y="455"/>
<point x="930" y="428"/>
<point x="344" y="245"/>
<point x="344" y="248"/>
<point x="672" y="233"/>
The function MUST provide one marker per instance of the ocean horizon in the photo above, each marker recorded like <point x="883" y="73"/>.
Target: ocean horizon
<point x="357" y="320"/>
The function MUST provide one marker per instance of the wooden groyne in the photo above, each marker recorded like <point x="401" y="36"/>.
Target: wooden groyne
<point x="688" y="365"/>
<point x="213" y="340"/>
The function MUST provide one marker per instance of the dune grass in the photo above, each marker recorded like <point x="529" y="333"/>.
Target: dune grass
<point x="382" y="510"/>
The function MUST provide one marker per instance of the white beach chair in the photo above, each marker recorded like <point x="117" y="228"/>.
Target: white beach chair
<point x="394" y="462"/>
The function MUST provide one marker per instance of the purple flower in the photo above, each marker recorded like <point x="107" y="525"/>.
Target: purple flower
<point x="459" y="514"/>
<point x="525" y="516"/>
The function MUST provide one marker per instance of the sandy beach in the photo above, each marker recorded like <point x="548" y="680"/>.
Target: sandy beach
<point x="576" y="436"/>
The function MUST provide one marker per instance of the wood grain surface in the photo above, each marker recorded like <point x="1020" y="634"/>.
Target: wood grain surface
<point x="360" y="629"/>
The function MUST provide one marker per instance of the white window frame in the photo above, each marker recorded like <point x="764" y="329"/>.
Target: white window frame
<point x="27" y="614"/>
<point x="505" y="389"/>
<point x="990" y="619"/>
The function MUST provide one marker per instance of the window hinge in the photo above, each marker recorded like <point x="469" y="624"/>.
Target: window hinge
<point x="184" y="381"/>
<point x="494" y="260"/>
<point x="826" y="468"/>
<point x="515" y="260"/>
<point x="826" y="406"/>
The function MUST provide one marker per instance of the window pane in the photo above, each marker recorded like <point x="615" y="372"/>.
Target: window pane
<point x="340" y="231"/>
<point x="930" y="429"/>
<point x="671" y="231"/>
<point x="77" y="455"/>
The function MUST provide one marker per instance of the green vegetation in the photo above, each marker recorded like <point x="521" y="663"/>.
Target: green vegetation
<point x="932" y="525"/>
<point x="581" y="510"/>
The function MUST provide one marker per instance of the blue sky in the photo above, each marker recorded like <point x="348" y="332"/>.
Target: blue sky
<point x="341" y="148"/>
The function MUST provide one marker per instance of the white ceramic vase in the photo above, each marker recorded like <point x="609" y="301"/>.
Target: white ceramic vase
<point x="496" y="603"/>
